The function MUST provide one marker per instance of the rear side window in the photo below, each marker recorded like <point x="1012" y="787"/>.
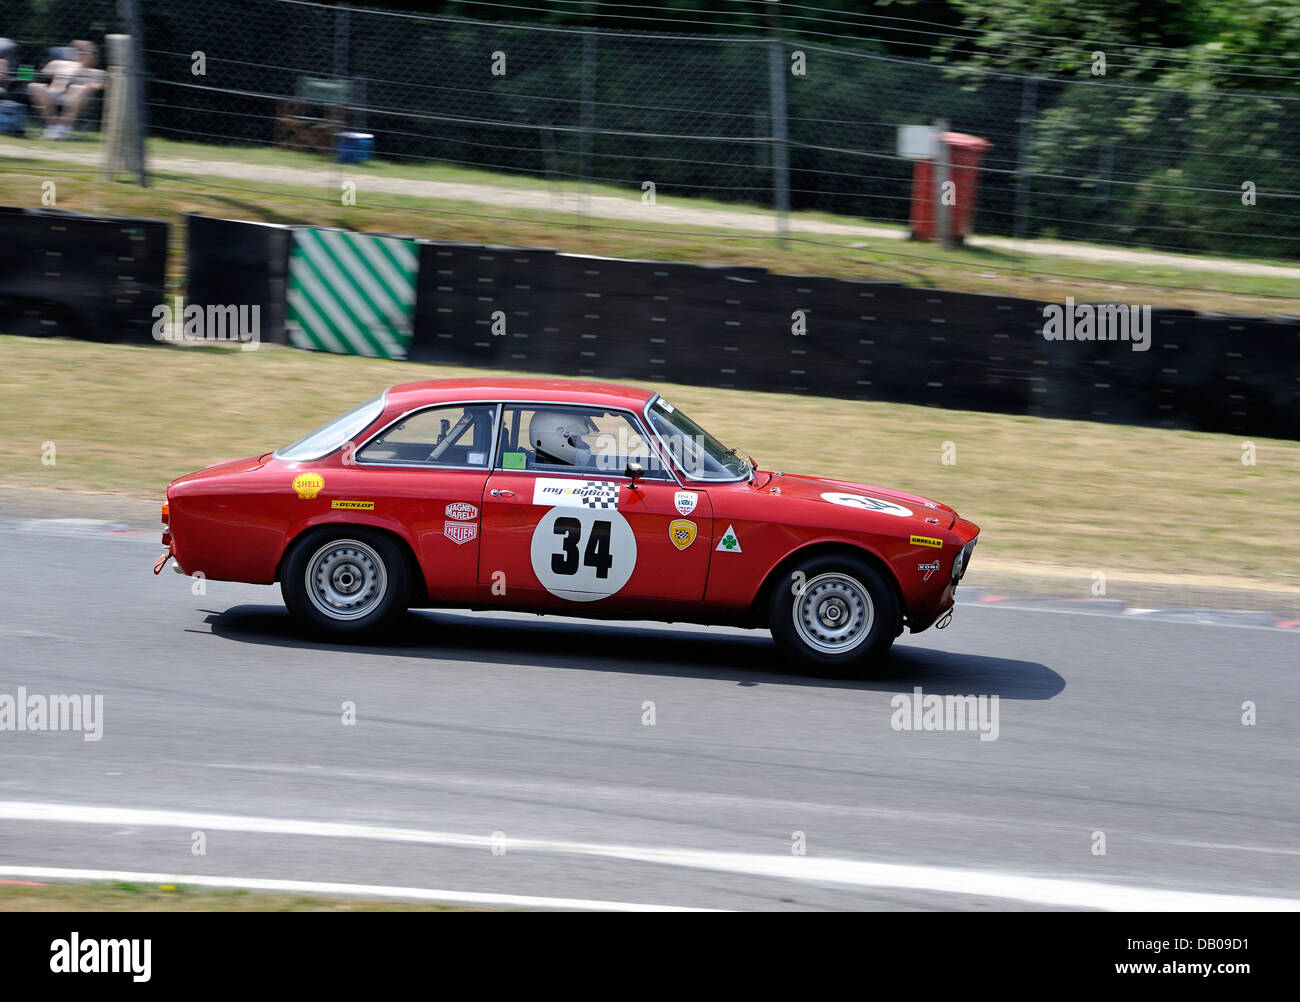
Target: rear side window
<point x="459" y="435"/>
<point x="338" y="432"/>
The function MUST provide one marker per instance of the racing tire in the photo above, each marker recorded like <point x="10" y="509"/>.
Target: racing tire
<point x="346" y="583"/>
<point x="834" y="616"/>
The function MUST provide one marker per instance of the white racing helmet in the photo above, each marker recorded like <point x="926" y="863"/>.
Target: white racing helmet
<point x="557" y="437"/>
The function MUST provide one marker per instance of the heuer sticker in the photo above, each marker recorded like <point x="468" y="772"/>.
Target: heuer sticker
<point x="929" y="569"/>
<point x="308" y="485"/>
<point x="682" y="532"/>
<point x="926" y="541"/>
<point x="867" y="503"/>
<point x="462" y="511"/>
<point x="730" y="542"/>
<point x="552" y="491"/>
<point x="354" y="505"/>
<point x="685" y="502"/>
<point x="460" y="532"/>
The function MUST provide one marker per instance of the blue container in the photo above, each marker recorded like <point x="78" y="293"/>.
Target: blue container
<point x="353" y="147"/>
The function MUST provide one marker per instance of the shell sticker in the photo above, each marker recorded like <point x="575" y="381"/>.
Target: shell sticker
<point x="308" y="485"/>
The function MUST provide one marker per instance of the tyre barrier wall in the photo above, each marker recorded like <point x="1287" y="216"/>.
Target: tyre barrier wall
<point x="95" y="278"/>
<point x="229" y="261"/>
<point x="536" y="310"/>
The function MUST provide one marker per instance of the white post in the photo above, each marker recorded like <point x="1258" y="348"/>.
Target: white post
<point x="116" y="107"/>
<point x="941" y="175"/>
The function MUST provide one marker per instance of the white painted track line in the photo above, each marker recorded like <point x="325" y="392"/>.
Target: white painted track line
<point x="1048" y="891"/>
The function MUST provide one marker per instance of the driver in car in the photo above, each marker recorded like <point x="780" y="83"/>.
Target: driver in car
<point x="558" y="439"/>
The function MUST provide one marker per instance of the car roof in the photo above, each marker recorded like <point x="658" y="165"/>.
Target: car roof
<point x="557" y="391"/>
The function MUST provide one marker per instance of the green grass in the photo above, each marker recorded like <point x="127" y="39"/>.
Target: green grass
<point x="131" y="897"/>
<point x="967" y="269"/>
<point x="1070" y="495"/>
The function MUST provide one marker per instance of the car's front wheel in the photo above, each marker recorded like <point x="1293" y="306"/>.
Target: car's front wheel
<point x="835" y="616"/>
<point x="345" y="583"/>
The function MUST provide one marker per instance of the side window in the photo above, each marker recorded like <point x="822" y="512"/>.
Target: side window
<point x="441" y="436"/>
<point x="573" y="439"/>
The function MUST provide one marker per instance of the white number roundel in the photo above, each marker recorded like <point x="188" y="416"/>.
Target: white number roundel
<point x="583" y="554"/>
<point x="867" y="504"/>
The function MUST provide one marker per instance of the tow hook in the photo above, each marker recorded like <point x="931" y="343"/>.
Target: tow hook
<point x="943" y="623"/>
<point x="161" y="562"/>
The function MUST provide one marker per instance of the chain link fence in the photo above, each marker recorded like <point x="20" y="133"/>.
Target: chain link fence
<point x="1071" y="159"/>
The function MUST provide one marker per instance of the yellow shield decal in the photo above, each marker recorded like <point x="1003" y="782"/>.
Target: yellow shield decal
<point x="682" y="532"/>
<point x="308" y="485"/>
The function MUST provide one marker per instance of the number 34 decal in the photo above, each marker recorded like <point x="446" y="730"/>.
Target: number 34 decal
<point x="583" y="554"/>
<point x="596" y="554"/>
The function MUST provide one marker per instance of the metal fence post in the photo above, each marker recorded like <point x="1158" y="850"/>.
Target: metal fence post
<point x="339" y="112"/>
<point x="777" y="70"/>
<point x="588" y="99"/>
<point x="134" y="125"/>
<point x="1028" y="103"/>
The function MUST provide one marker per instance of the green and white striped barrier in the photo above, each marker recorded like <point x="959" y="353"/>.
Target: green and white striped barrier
<point x="351" y="293"/>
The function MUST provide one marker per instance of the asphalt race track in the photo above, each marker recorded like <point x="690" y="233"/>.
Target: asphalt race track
<point x="507" y="755"/>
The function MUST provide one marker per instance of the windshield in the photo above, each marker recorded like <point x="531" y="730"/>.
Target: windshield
<point x="329" y="437"/>
<point x="697" y="452"/>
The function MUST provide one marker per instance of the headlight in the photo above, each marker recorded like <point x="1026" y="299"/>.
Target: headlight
<point x="960" y="561"/>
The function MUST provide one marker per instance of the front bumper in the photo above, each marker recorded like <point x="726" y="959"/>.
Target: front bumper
<point x="925" y="616"/>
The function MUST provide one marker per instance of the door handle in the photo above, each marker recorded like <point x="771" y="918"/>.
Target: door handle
<point x="502" y="494"/>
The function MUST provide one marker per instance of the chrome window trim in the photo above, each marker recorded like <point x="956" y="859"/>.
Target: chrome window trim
<point x="496" y="434"/>
<point x="672" y="459"/>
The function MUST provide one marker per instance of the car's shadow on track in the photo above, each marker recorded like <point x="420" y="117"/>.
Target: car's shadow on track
<point x="750" y="658"/>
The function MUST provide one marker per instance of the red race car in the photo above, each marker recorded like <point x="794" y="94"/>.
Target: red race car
<point x="563" y="497"/>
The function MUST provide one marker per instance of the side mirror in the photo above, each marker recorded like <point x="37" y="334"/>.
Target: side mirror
<point x="634" y="470"/>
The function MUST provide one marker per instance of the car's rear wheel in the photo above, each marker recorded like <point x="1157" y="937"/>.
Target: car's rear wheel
<point x="835" y="616"/>
<point x="345" y="582"/>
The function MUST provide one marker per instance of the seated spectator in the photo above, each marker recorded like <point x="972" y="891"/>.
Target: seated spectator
<point x="71" y="80"/>
<point x="8" y="55"/>
<point x="12" y="112"/>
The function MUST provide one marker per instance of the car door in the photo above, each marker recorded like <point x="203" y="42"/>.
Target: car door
<point x="559" y="533"/>
<point x="435" y="464"/>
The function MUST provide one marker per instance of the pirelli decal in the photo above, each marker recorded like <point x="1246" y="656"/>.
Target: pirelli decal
<point x="927" y="541"/>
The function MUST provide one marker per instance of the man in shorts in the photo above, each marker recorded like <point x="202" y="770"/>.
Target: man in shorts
<point x="71" y="81"/>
